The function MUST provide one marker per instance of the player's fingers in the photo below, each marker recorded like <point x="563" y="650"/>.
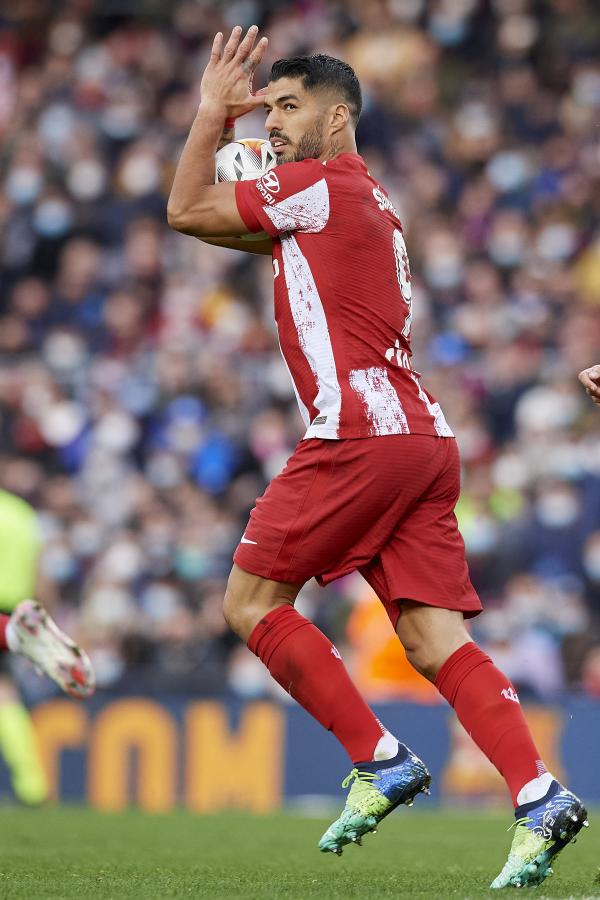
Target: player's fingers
<point x="255" y="102"/>
<point x="257" y="54"/>
<point x="215" y="53"/>
<point x="245" y="48"/>
<point x="590" y="378"/>
<point x="592" y="390"/>
<point x="232" y="44"/>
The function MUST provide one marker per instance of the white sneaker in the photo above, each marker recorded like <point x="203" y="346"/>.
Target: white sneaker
<point x="32" y="633"/>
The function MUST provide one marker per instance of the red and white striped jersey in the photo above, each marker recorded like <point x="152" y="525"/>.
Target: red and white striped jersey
<point x="342" y="298"/>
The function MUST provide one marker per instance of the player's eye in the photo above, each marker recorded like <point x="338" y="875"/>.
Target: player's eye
<point x="289" y="106"/>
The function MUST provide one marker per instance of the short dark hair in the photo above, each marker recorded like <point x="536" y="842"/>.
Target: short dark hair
<point x="321" y="71"/>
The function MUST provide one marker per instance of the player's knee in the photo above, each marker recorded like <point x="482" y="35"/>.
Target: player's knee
<point x="249" y="597"/>
<point x="239" y="603"/>
<point x="423" y="652"/>
<point x="235" y="611"/>
<point x="424" y="661"/>
<point x="430" y="635"/>
<point x="240" y="615"/>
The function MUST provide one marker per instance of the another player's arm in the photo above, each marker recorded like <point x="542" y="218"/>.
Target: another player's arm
<point x="197" y="206"/>
<point x="590" y="379"/>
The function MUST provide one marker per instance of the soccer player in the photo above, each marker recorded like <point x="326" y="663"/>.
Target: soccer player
<point x="373" y="484"/>
<point x="27" y="629"/>
<point x="590" y="379"/>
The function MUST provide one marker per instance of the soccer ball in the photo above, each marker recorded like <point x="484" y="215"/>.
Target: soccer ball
<point x="244" y="160"/>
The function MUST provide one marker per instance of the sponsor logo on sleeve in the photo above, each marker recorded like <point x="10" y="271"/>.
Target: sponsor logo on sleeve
<point x="271" y="182"/>
<point x="268" y="185"/>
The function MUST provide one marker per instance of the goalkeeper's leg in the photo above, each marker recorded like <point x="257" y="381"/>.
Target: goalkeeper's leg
<point x="19" y="748"/>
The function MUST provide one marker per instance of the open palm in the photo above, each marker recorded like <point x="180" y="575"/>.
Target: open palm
<point x="227" y="79"/>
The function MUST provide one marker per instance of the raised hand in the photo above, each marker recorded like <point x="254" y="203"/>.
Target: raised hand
<point x="590" y="379"/>
<point x="227" y="79"/>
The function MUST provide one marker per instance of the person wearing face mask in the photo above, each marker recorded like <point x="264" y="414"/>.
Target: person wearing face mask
<point x="590" y="379"/>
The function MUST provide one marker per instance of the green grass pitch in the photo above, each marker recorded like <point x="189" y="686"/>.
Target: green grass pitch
<point x="77" y="853"/>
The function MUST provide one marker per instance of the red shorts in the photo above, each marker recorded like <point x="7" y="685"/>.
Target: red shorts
<point x="382" y="505"/>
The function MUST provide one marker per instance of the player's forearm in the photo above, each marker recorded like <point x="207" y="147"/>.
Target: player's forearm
<point x="264" y="248"/>
<point x="228" y="134"/>
<point x="196" y="168"/>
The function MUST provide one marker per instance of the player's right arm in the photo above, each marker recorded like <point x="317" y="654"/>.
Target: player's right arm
<point x="590" y="379"/>
<point x="292" y="197"/>
<point x="264" y="247"/>
<point x="197" y="206"/>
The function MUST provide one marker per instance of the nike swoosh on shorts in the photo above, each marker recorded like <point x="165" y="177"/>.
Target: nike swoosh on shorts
<point x="244" y="540"/>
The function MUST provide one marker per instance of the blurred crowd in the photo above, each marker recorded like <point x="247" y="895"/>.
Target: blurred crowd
<point x="143" y="401"/>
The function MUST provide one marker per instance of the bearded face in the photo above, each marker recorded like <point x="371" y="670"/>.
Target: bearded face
<point x="310" y="145"/>
<point x="296" y="120"/>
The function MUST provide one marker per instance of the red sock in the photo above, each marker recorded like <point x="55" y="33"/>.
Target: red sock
<point x="310" y="669"/>
<point x="4" y="620"/>
<point x="487" y="706"/>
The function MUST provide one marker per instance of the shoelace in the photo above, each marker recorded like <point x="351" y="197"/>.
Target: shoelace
<point x="365" y="777"/>
<point x="522" y="821"/>
<point x="537" y="831"/>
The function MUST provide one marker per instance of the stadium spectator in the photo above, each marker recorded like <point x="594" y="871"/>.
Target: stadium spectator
<point x="143" y="402"/>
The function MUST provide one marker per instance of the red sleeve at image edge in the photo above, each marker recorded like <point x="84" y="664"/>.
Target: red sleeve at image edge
<point x="255" y="219"/>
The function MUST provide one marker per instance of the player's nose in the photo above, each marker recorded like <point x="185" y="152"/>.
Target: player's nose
<point x="272" y="123"/>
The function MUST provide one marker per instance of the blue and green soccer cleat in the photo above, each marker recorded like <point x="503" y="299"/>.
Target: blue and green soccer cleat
<point x="543" y="828"/>
<point x="377" y="789"/>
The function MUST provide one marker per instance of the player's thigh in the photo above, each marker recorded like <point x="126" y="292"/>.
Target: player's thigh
<point x="335" y="505"/>
<point x="311" y="513"/>
<point x="424" y="559"/>
<point x="249" y="597"/>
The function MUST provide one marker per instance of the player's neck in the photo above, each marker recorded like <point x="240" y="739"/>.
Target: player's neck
<point x="337" y="146"/>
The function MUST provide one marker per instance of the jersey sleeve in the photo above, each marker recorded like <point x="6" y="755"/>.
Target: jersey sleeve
<point x="291" y="197"/>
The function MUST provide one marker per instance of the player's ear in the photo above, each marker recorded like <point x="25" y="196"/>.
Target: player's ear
<point x="340" y="116"/>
